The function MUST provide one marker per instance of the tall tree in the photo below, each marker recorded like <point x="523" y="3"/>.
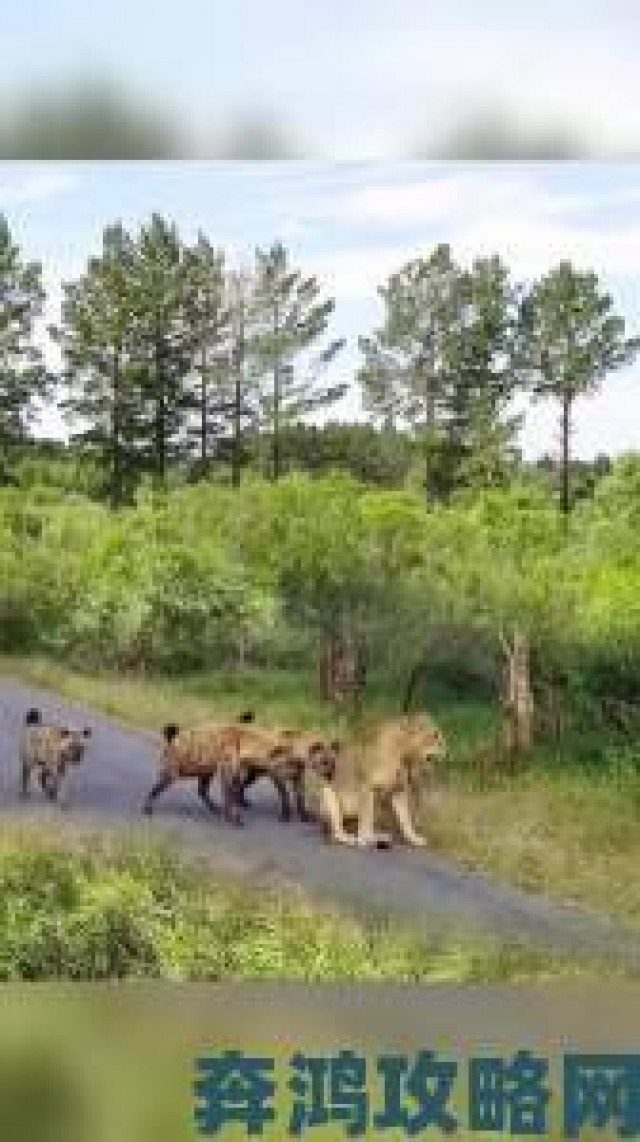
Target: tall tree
<point x="407" y="364"/>
<point x="485" y="373"/>
<point x="209" y="394"/>
<point x="291" y="319"/>
<point x="23" y="378"/>
<point x="441" y="360"/>
<point x="96" y="338"/>
<point x="164" y="339"/>
<point x="242" y="409"/>
<point x="571" y="339"/>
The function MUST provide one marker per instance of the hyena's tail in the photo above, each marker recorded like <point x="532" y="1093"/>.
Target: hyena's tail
<point x="32" y="717"/>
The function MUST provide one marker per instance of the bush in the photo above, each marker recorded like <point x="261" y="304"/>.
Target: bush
<point x="109" y="911"/>
<point x="212" y="577"/>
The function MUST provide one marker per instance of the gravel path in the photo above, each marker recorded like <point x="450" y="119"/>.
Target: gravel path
<point x="120" y="768"/>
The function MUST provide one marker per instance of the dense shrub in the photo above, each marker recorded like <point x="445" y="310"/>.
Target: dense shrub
<point x="115" y="912"/>
<point x="210" y="576"/>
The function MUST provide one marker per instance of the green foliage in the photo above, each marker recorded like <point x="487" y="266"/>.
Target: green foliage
<point x="104" y="911"/>
<point x="22" y="373"/>
<point x="381" y="458"/>
<point x="289" y="319"/>
<point x="96" y="339"/>
<point x="571" y="339"/>
<point x="444" y="362"/>
<point x="209" y="576"/>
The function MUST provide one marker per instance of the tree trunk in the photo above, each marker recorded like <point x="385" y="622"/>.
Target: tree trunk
<point x="236" y="460"/>
<point x="276" y="403"/>
<point x="414" y="678"/>
<point x="517" y="697"/>
<point x="160" y="426"/>
<point x="203" y="410"/>
<point x="566" y="455"/>
<point x="116" y="451"/>
<point x="341" y="671"/>
<point x="276" y="425"/>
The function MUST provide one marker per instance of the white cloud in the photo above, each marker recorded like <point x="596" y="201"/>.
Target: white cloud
<point x="44" y="184"/>
<point x="458" y="194"/>
<point x="481" y="212"/>
<point x="356" y="273"/>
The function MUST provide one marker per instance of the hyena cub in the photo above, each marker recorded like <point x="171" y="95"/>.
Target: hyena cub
<point x="49" y="751"/>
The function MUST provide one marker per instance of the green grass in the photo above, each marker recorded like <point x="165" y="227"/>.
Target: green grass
<point x="565" y="824"/>
<point x="89" y="906"/>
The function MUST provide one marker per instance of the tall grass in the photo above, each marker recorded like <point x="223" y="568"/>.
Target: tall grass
<point x="92" y="907"/>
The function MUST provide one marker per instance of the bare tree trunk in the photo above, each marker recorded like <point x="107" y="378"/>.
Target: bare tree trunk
<point x="116" y="496"/>
<point x="416" y="674"/>
<point x="276" y="400"/>
<point x="204" y="428"/>
<point x="517" y="698"/>
<point x="239" y="351"/>
<point x="341" y="671"/>
<point x="566" y="456"/>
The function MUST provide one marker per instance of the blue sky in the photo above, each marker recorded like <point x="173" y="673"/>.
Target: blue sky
<point x="354" y="79"/>
<point x="352" y="225"/>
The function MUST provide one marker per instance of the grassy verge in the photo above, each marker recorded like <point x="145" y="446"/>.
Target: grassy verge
<point x="90" y="907"/>
<point x="566" y="824"/>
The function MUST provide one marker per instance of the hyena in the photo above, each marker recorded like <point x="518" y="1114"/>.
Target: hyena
<point x="49" y="751"/>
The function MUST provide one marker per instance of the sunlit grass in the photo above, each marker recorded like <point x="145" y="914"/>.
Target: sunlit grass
<point x="89" y="906"/>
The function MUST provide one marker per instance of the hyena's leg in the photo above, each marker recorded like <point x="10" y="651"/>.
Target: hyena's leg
<point x="400" y="806"/>
<point x="204" y="784"/>
<point x="50" y="784"/>
<point x="283" y="794"/>
<point x="231" y="809"/>
<point x="163" y="782"/>
<point x="297" y="783"/>
<point x="62" y="789"/>
<point x="246" y="781"/>
<point x="25" y="777"/>
<point x="332" y="816"/>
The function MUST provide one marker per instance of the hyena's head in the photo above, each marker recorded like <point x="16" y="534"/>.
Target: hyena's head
<point x="170" y="732"/>
<point x="322" y="758"/>
<point x="73" y="743"/>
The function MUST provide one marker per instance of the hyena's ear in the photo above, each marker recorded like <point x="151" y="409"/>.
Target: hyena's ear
<point x="32" y="717"/>
<point x="170" y="732"/>
<point x="247" y="716"/>
<point x="87" y="731"/>
<point x="335" y="745"/>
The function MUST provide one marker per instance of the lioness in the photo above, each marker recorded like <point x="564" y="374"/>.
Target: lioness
<point x="49" y="751"/>
<point x="384" y="767"/>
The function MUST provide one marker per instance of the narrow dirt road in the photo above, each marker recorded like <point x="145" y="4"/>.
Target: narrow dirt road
<point x="119" y="770"/>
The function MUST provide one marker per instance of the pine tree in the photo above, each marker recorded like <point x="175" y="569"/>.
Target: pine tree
<point x="291" y="319"/>
<point x="571" y="339"/>
<point x="23" y="377"/>
<point x="96" y="337"/>
<point x="164" y="341"/>
<point x="209" y="389"/>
